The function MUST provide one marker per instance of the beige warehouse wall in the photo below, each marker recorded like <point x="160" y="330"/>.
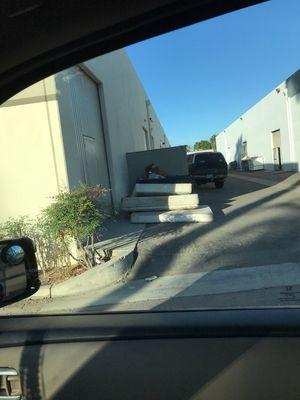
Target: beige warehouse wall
<point x="72" y="152"/>
<point x="32" y="162"/>
<point x="156" y="129"/>
<point x="81" y="119"/>
<point x="125" y="114"/>
<point x="37" y="132"/>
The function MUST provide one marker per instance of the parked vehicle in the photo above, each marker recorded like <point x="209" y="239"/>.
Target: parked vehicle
<point x="208" y="166"/>
<point x="233" y="165"/>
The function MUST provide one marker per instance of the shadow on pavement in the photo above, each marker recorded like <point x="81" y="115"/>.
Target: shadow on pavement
<point x="210" y="357"/>
<point x="260" y="232"/>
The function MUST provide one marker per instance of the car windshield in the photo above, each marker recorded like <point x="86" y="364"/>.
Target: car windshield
<point x="161" y="176"/>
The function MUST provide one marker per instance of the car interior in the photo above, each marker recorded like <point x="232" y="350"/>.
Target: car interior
<point x="250" y="353"/>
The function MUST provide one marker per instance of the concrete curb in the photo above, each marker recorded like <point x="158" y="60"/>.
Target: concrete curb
<point x="96" y="278"/>
<point x="44" y="291"/>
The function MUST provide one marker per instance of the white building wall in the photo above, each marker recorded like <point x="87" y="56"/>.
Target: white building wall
<point x="293" y="92"/>
<point x="256" y="127"/>
<point x="295" y="111"/>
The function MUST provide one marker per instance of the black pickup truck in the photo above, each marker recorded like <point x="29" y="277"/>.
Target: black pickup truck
<point x="208" y="166"/>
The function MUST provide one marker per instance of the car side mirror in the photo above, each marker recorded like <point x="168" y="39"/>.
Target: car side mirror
<point x="18" y="270"/>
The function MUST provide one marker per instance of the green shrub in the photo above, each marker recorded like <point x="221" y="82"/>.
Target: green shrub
<point x="50" y="252"/>
<point x="15" y="227"/>
<point x="65" y="230"/>
<point x="74" y="217"/>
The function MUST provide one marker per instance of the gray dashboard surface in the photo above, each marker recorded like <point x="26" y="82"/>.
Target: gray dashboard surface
<point x="232" y="354"/>
<point x="204" y="368"/>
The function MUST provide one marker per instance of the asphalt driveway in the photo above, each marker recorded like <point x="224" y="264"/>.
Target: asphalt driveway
<point x="254" y="225"/>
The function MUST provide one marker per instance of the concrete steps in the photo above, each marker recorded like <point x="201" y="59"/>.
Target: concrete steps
<point x="142" y="189"/>
<point x="160" y="203"/>
<point x="201" y="214"/>
<point x="153" y="202"/>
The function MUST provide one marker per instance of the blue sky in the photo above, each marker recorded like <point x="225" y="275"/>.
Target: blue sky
<point x="201" y="78"/>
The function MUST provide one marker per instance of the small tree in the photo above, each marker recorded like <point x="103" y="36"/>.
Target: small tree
<point x="76" y="215"/>
<point x="202" y="145"/>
